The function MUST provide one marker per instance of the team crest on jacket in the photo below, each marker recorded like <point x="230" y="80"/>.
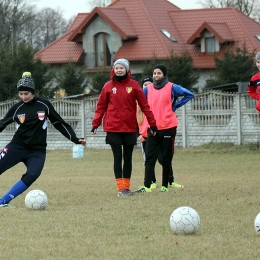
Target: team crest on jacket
<point x="3" y="153"/>
<point x="21" y="118"/>
<point x="129" y="89"/>
<point x="41" y="115"/>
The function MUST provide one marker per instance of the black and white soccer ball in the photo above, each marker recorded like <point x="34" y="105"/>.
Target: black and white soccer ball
<point x="36" y="199"/>
<point x="184" y="220"/>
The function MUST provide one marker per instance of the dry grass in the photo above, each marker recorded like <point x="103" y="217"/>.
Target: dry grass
<point x="86" y="220"/>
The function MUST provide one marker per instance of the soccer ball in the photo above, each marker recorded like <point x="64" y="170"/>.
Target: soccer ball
<point x="257" y="224"/>
<point x="184" y="220"/>
<point x="36" y="199"/>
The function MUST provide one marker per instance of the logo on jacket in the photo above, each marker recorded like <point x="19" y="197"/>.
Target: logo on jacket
<point x="129" y="89"/>
<point x="3" y="153"/>
<point x="21" y="118"/>
<point x="114" y="90"/>
<point x="41" y="115"/>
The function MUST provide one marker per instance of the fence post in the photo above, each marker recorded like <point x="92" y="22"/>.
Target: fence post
<point x="238" y="109"/>
<point x="83" y="119"/>
<point x="184" y="126"/>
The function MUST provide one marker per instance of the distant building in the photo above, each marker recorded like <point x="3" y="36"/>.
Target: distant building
<point x="138" y="30"/>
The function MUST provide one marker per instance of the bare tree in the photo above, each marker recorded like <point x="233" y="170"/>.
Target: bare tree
<point x="99" y="3"/>
<point x="13" y="17"/>
<point x="49" y="25"/>
<point x="20" y="21"/>
<point x="250" y="8"/>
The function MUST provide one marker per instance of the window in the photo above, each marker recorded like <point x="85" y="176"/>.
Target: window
<point x="168" y="35"/>
<point x="102" y="50"/>
<point x="210" y="44"/>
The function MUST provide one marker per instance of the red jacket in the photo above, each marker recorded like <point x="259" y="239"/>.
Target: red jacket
<point x="117" y="104"/>
<point x="254" y="89"/>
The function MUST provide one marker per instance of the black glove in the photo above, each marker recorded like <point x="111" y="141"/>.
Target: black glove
<point x="94" y="128"/>
<point x="154" y="128"/>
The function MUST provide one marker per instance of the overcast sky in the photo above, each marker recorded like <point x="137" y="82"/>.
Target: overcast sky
<point x="73" y="7"/>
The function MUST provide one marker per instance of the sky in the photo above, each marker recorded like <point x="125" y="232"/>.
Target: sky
<point x="71" y="8"/>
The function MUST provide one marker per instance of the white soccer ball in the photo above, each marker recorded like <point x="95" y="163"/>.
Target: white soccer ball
<point x="257" y="224"/>
<point x="36" y="199"/>
<point x="184" y="220"/>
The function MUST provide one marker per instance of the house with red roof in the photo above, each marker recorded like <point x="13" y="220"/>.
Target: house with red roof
<point x="139" y="30"/>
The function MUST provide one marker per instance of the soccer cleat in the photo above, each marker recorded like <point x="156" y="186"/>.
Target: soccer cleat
<point x="163" y="189"/>
<point x="176" y="185"/>
<point x="153" y="185"/>
<point x="142" y="189"/>
<point x="125" y="192"/>
<point x="5" y="205"/>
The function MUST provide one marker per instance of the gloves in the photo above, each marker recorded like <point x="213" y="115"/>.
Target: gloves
<point x="94" y="128"/>
<point x="153" y="129"/>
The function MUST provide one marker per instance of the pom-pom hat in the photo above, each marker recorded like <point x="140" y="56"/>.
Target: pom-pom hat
<point x="26" y="83"/>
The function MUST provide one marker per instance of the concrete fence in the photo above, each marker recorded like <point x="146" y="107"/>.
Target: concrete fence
<point x="209" y="117"/>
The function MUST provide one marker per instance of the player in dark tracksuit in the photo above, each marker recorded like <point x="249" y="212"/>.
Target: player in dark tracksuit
<point x="29" y="141"/>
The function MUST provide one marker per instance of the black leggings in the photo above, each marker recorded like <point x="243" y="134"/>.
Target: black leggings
<point x="125" y="153"/>
<point x="33" y="160"/>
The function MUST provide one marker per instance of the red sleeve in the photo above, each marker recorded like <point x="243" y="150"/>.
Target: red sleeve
<point x="252" y="87"/>
<point x="101" y="107"/>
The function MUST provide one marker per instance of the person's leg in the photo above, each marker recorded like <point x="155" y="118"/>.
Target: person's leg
<point x="11" y="155"/>
<point x="127" y="166"/>
<point x="117" y="153"/>
<point x="171" y="177"/>
<point x="167" y="151"/>
<point x="34" y="163"/>
<point x="152" y="150"/>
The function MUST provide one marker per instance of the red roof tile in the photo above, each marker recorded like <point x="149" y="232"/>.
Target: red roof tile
<point x="242" y="28"/>
<point x="139" y="22"/>
<point x="113" y="16"/>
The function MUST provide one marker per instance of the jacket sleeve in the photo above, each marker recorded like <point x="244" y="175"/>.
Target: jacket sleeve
<point x="252" y="88"/>
<point x="63" y="127"/>
<point x="143" y="103"/>
<point x="179" y="91"/>
<point x="7" y="120"/>
<point x="101" y="107"/>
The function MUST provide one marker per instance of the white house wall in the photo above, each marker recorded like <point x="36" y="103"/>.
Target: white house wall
<point x="97" y="26"/>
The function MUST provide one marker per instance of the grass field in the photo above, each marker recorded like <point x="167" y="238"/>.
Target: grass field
<point x="86" y="220"/>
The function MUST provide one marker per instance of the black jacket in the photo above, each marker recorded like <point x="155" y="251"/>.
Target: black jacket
<point x="31" y="123"/>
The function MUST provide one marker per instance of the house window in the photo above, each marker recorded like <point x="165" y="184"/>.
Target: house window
<point x="102" y="49"/>
<point x="168" y="35"/>
<point x="210" y="44"/>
